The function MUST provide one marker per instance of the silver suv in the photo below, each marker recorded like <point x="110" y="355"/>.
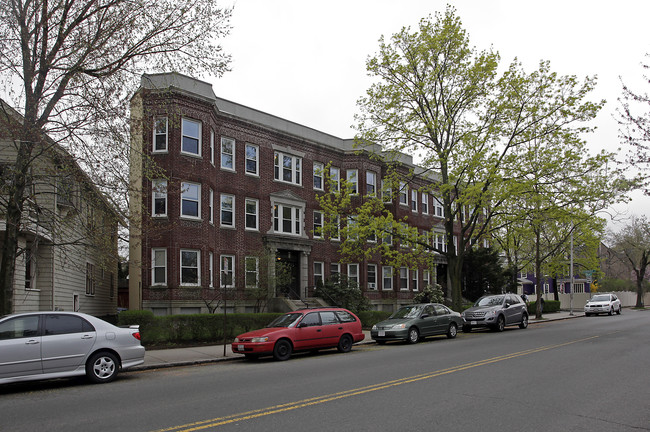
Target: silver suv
<point x="496" y="312"/>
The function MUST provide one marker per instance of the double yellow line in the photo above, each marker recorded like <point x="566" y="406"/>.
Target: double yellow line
<point x="276" y="409"/>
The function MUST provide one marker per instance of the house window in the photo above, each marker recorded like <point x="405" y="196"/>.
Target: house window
<point x="426" y="278"/>
<point x="287" y="219"/>
<point x="252" y="159"/>
<point x="318" y="273"/>
<point x="371" y="276"/>
<point x="414" y="200"/>
<point x="287" y="168"/>
<point x="386" y="192"/>
<point x="352" y="177"/>
<point x="403" y="278"/>
<point x="425" y="203"/>
<point x="190" y="200"/>
<point x="211" y="207"/>
<point x="28" y="257"/>
<point x="335" y="179"/>
<point x="437" y="207"/>
<point x="440" y="242"/>
<point x="227" y="210"/>
<point x="90" y="279"/>
<point x="228" y="153"/>
<point x="414" y="279"/>
<point x="387" y="282"/>
<point x="211" y="270"/>
<point x="318" y="224"/>
<point x="371" y="183"/>
<point x="252" y="271"/>
<point x="160" y="135"/>
<point x="191" y="131"/>
<point x="388" y="235"/>
<point x="318" y="175"/>
<point x="158" y="266"/>
<point x="336" y="228"/>
<point x="335" y="269"/>
<point x="212" y="147"/>
<point x="190" y="269"/>
<point x="159" y="198"/>
<point x="252" y="218"/>
<point x="403" y="193"/>
<point x="353" y="273"/>
<point x="227" y="271"/>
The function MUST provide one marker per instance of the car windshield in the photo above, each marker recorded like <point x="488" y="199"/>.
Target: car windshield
<point x="600" y="298"/>
<point x="286" y="320"/>
<point x="407" y="312"/>
<point x="489" y="301"/>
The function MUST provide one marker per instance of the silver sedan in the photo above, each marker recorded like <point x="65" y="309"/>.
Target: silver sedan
<point x="44" y="345"/>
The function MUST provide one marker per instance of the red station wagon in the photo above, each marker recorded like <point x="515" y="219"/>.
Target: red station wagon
<point x="302" y="330"/>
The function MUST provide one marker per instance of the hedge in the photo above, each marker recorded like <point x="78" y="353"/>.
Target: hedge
<point x="547" y="306"/>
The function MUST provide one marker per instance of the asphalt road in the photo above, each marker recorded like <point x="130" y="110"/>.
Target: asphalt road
<point x="586" y="374"/>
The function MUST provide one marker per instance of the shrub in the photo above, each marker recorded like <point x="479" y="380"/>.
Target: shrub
<point x="548" y="306"/>
<point x="370" y="318"/>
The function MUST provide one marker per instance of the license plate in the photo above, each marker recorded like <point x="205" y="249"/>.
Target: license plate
<point x="240" y="347"/>
<point x="473" y="323"/>
<point x="381" y="333"/>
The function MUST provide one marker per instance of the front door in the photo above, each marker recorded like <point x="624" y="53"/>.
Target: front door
<point x="287" y="273"/>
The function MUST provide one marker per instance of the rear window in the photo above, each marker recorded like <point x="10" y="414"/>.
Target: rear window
<point x="345" y="316"/>
<point x="329" y="318"/>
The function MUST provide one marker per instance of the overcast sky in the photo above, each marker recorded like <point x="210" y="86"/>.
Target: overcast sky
<point x="305" y="60"/>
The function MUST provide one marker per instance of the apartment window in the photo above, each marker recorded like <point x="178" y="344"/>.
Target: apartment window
<point x="287" y="219"/>
<point x="371" y="183"/>
<point x="352" y="228"/>
<point x="318" y="224"/>
<point x="190" y="269"/>
<point x="440" y="242"/>
<point x="425" y="203"/>
<point x="371" y="276"/>
<point x="191" y="131"/>
<point x="403" y="193"/>
<point x="318" y="175"/>
<point x="252" y="215"/>
<point x="319" y="278"/>
<point x="159" y="197"/>
<point x="387" y="281"/>
<point x="426" y="278"/>
<point x="190" y="200"/>
<point x="288" y="168"/>
<point x="353" y="273"/>
<point x="414" y="279"/>
<point x="252" y="271"/>
<point x="28" y="257"/>
<point x="335" y="179"/>
<point x="158" y="266"/>
<point x="352" y="177"/>
<point x="414" y="200"/>
<point x="160" y="135"/>
<point x="336" y="228"/>
<point x="90" y="279"/>
<point x="228" y="153"/>
<point x="211" y="270"/>
<point x="211" y="207"/>
<point x="437" y="207"/>
<point x="227" y="271"/>
<point x="403" y="278"/>
<point x="388" y="235"/>
<point x="335" y="269"/>
<point x="212" y="147"/>
<point x="227" y="210"/>
<point x="386" y="192"/>
<point x="252" y="159"/>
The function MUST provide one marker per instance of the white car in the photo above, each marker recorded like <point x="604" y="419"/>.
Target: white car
<point x="603" y="303"/>
<point x="44" y="345"/>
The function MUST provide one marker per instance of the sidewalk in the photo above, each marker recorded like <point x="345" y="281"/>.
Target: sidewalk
<point x="162" y="358"/>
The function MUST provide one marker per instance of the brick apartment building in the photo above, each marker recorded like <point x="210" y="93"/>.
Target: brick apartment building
<point x="233" y="181"/>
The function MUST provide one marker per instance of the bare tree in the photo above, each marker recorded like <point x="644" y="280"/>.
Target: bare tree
<point x="632" y="247"/>
<point x="69" y="67"/>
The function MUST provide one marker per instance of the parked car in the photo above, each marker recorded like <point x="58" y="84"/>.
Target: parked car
<point x="413" y="322"/>
<point x="302" y="330"/>
<point x="496" y="312"/>
<point x="603" y="303"/>
<point x="44" y="345"/>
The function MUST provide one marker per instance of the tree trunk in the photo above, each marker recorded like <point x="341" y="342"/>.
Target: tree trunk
<point x="539" y="287"/>
<point x="454" y="275"/>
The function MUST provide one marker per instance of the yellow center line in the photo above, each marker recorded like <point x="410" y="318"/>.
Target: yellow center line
<point x="248" y="415"/>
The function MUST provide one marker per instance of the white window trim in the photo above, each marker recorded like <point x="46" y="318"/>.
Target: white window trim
<point x="198" y="264"/>
<point x="211" y="208"/>
<point x="154" y="186"/>
<point x="257" y="160"/>
<point x="155" y="134"/>
<point x="231" y="270"/>
<point x="183" y="216"/>
<point x="212" y="147"/>
<point x="372" y="175"/>
<point x="318" y="170"/>
<point x="352" y="266"/>
<point x="407" y="278"/>
<point x="211" y="269"/>
<point x="414" y="200"/>
<point x="415" y="277"/>
<point x="154" y="266"/>
<point x="296" y="173"/>
<point x="335" y="179"/>
<point x="425" y="203"/>
<point x="199" y="137"/>
<point x="368" y="283"/>
<point x="247" y="271"/>
<point x="383" y="277"/>
<point x="318" y="236"/>
<point x="352" y="177"/>
<point x="319" y="276"/>
<point x="403" y="194"/>
<point x="221" y="153"/>
<point x="257" y="214"/>
<point x="221" y="210"/>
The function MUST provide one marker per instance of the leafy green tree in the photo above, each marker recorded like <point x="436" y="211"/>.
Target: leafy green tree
<point x="430" y="294"/>
<point x="72" y="65"/>
<point x="482" y="273"/>
<point x="343" y="292"/>
<point x="440" y="100"/>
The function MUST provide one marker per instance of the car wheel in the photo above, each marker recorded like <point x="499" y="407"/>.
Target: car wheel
<point x="587" y="314"/>
<point x="618" y="312"/>
<point x="282" y="350"/>
<point x="467" y="329"/>
<point x="452" y="331"/>
<point x="102" y="367"/>
<point x="501" y="324"/>
<point x="524" y="321"/>
<point x="611" y="311"/>
<point x="345" y="344"/>
<point x="413" y="336"/>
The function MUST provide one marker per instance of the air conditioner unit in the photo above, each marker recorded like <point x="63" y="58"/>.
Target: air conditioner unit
<point x="371" y="285"/>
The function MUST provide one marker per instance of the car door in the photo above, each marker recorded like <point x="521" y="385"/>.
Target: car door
<point x="514" y="310"/>
<point x="443" y="319"/>
<point x="332" y="329"/>
<point x="20" y="347"/>
<point x="67" y="340"/>
<point x="309" y="332"/>
<point x="428" y="322"/>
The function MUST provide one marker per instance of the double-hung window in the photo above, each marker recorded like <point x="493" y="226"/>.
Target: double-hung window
<point x="318" y="175"/>
<point x="252" y="214"/>
<point x="252" y="271"/>
<point x="318" y="224"/>
<point x="190" y="200"/>
<point x="353" y="273"/>
<point x="335" y="179"/>
<point x="425" y="203"/>
<point x="287" y="219"/>
<point x="227" y="210"/>
<point x="386" y="192"/>
<point x="387" y="278"/>
<point x="191" y="141"/>
<point x="371" y="183"/>
<point x="319" y="278"/>
<point x="414" y="200"/>
<point x="403" y="193"/>
<point x="190" y="267"/>
<point x="403" y="278"/>
<point x="252" y="159"/>
<point x="371" y="276"/>
<point x="159" y="198"/>
<point x="158" y="266"/>
<point x="160" y="135"/>
<point x="211" y="207"/>
<point x="426" y="278"/>
<point x="414" y="279"/>
<point x="352" y="178"/>
<point x="227" y="271"/>
<point x="287" y="168"/>
<point x="437" y="207"/>
<point x="211" y="146"/>
<point x="228" y="153"/>
<point x="90" y="279"/>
